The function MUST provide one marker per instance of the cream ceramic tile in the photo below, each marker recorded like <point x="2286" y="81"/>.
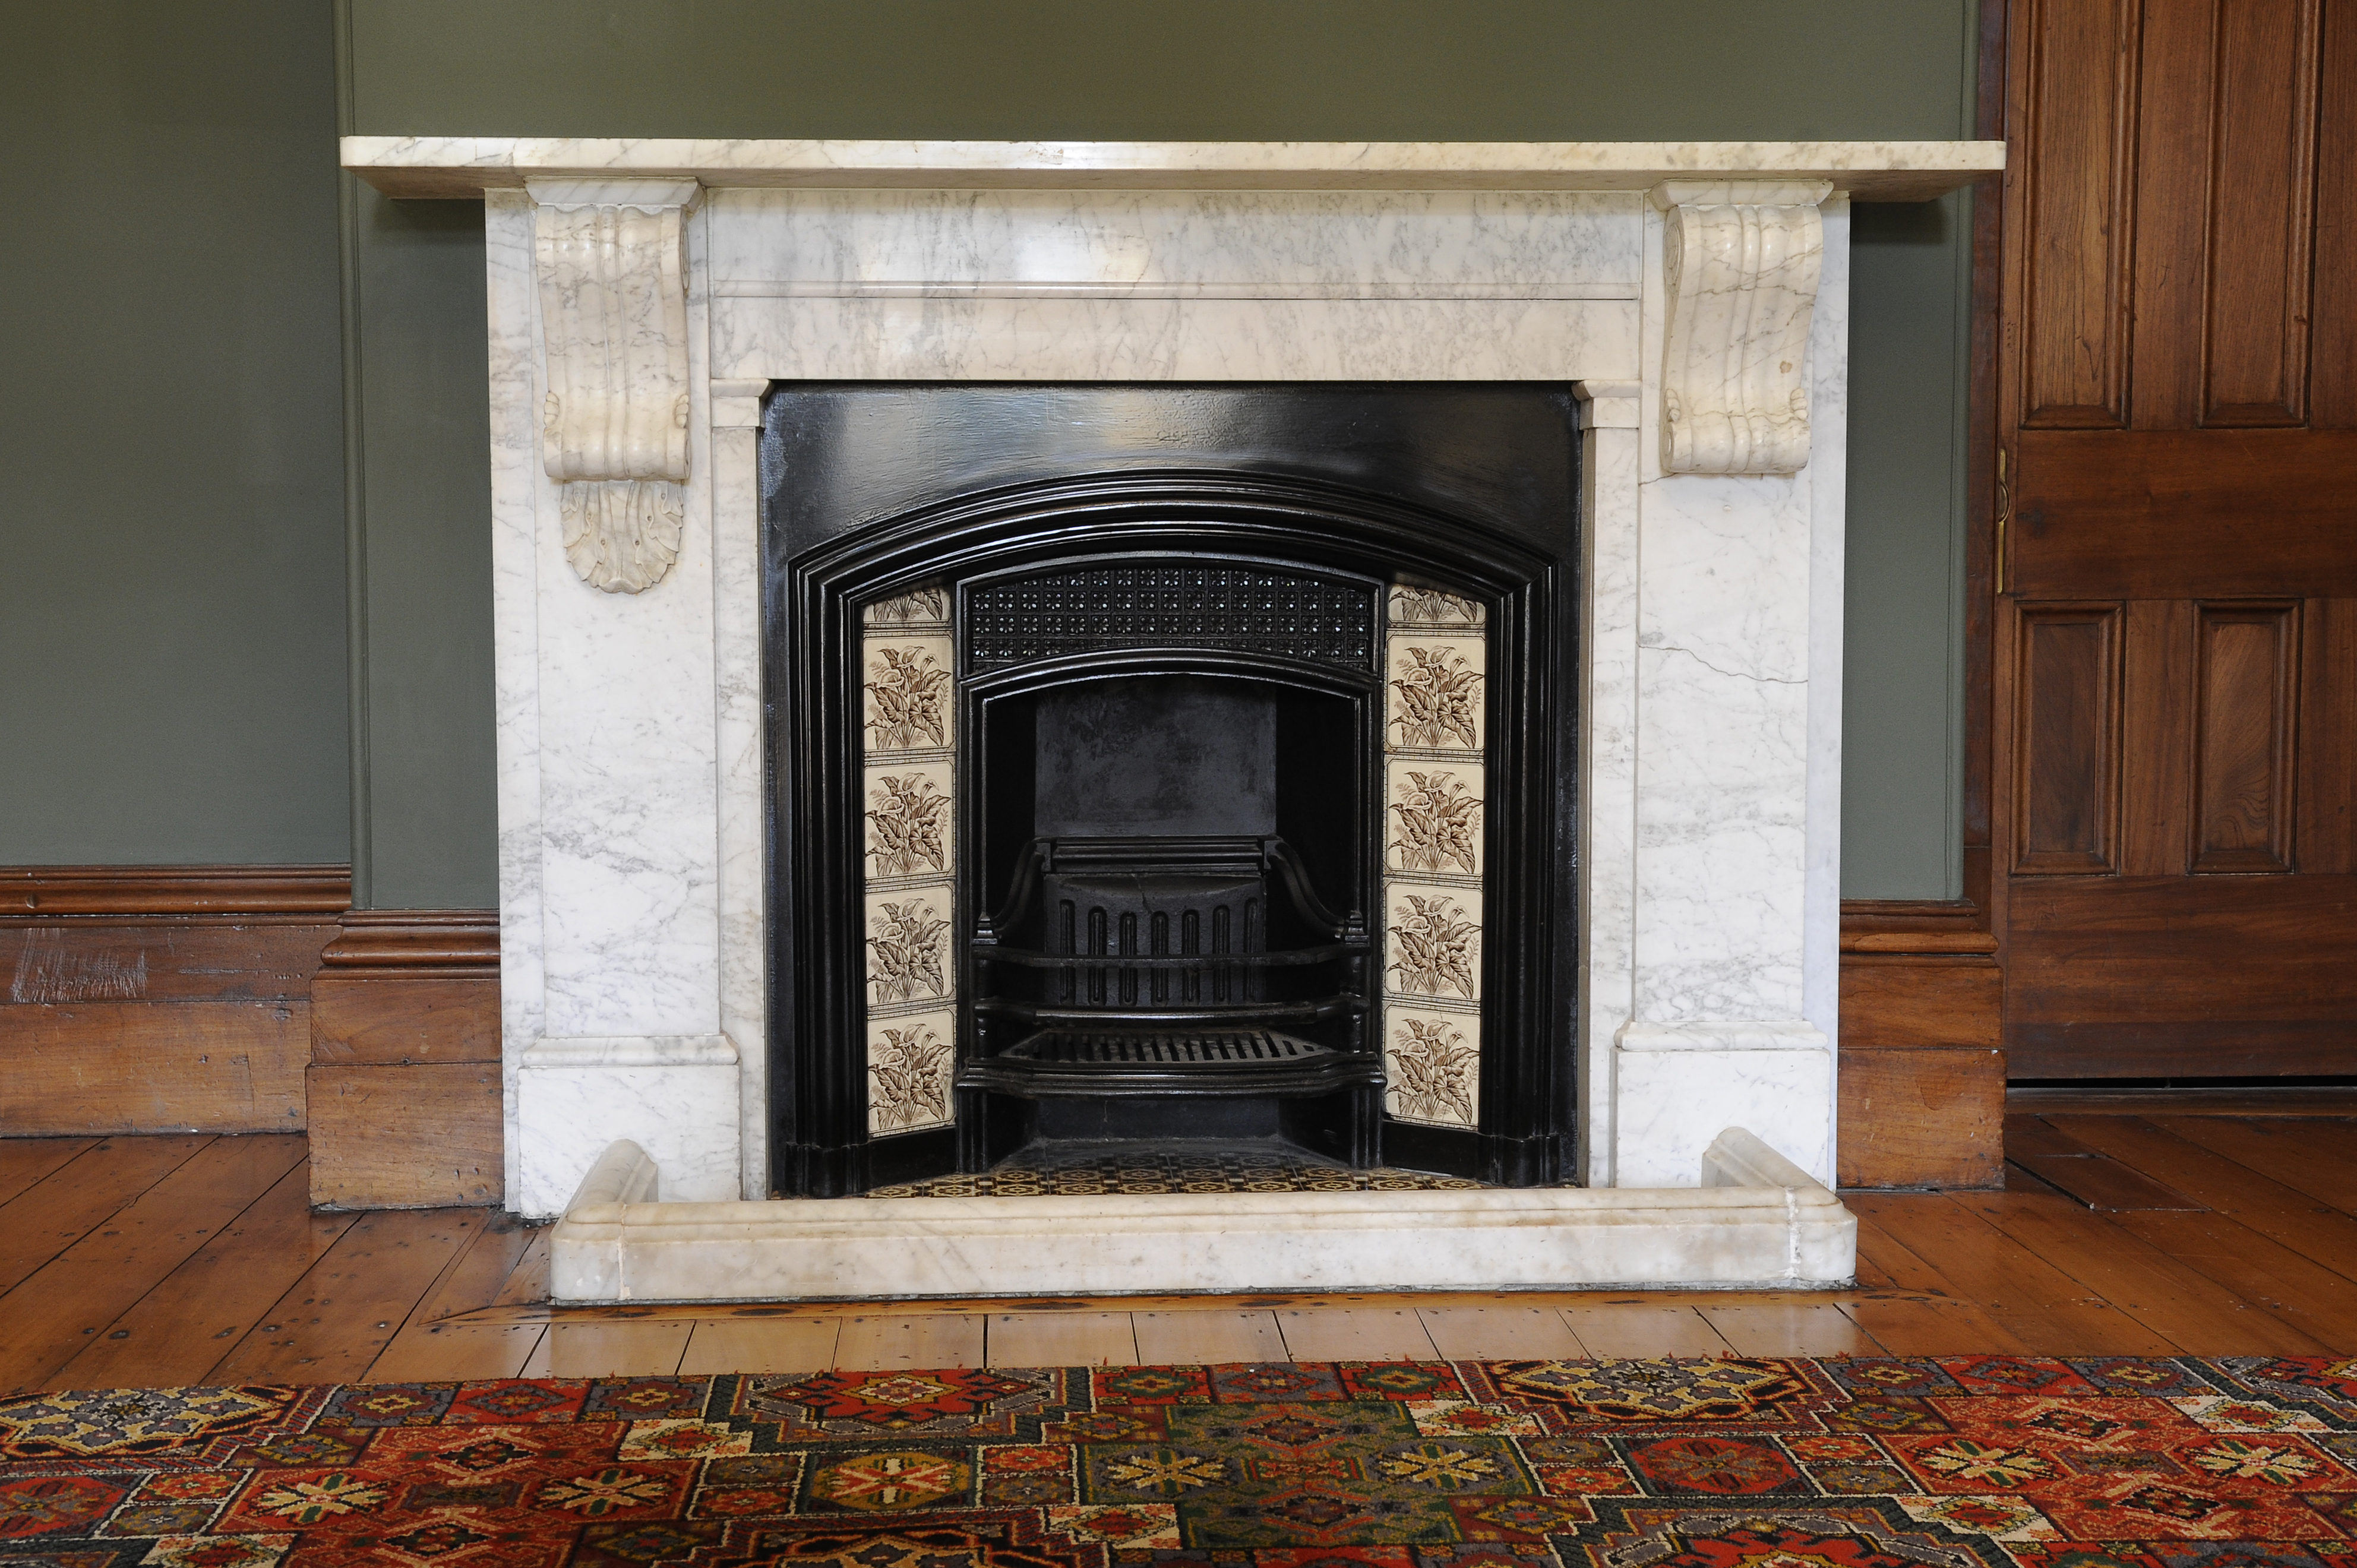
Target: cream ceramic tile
<point x="1433" y="816"/>
<point x="1432" y="1064"/>
<point x="919" y="610"/>
<point x="909" y="957"/>
<point x="1416" y="608"/>
<point x="911" y="820"/>
<point x="910" y="1057"/>
<point x="1434" y="694"/>
<point x="910" y="683"/>
<point x="1432" y="944"/>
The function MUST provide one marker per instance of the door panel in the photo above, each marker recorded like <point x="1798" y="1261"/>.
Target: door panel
<point x="2067" y="795"/>
<point x="2177" y="714"/>
<point x="2243" y="702"/>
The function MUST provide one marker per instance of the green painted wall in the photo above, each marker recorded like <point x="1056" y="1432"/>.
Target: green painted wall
<point x="171" y="524"/>
<point x="179" y="689"/>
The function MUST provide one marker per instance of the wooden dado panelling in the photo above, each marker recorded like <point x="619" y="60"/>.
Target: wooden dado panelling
<point x="405" y="1075"/>
<point x="1922" y="1074"/>
<point x="154" y="999"/>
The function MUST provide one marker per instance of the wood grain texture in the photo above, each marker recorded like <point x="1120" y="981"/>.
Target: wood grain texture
<point x="1059" y="1340"/>
<point x="2182" y="514"/>
<point x="2246" y="689"/>
<point x="869" y="1343"/>
<point x="2262" y="224"/>
<point x="79" y="1293"/>
<point x="2066" y="750"/>
<point x="1359" y="1334"/>
<point x="1501" y="1334"/>
<point x="180" y="1330"/>
<point x="1921" y="1002"/>
<point x="2156" y="737"/>
<point x="1206" y="1338"/>
<point x="57" y="1211"/>
<point x="24" y="1160"/>
<point x="2332" y="358"/>
<point x="142" y="1066"/>
<point x="427" y="1135"/>
<point x="611" y="1349"/>
<point x="396" y="1019"/>
<point x="772" y="1345"/>
<point x="347" y="1307"/>
<point x="2206" y="976"/>
<point x="1633" y="1329"/>
<point x="204" y="892"/>
<point x="159" y="960"/>
<point x="2074" y="181"/>
<point x="2325" y="809"/>
<point x="1921" y="1117"/>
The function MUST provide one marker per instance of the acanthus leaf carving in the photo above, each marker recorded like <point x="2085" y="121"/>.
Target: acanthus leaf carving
<point x="612" y="267"/>
<point x="1741" y="262"/>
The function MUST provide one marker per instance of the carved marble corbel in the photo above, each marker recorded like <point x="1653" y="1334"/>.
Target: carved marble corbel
<point x="612" y="264"/>
<point x="1739" y="260"/>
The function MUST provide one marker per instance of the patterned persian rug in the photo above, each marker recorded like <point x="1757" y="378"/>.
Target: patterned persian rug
<point x="1952" y="1463"/>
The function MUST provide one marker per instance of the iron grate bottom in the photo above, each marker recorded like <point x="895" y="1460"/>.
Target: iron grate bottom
<point x="1211" y="1047"/>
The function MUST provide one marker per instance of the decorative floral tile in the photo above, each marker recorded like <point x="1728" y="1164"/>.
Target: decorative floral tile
<point x="918" y="609"/>
<point x="1433" y="816"/>
<point x="1432" y="1065"/>
<point x="909" y="957"/>
<point x="1435" y="693"/>
<point x="911" y="817"/>
<point x="1416" y="609"/>
<point x="911" y="1058"/>
<point x="1432" y="940"/>
<point x="909" y="687"/>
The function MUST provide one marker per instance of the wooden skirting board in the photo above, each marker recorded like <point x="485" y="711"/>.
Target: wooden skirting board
<point x="405" y="1075"/>
<point x="160" y="999"/>
<point x="1922" y="1066"/>
<point x="255" y="999"/>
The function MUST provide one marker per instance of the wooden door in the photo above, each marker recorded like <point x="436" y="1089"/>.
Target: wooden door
<point x="2175" y="638"/>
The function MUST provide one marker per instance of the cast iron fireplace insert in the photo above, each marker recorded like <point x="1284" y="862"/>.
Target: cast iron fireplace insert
<point x="1169" y="762"/>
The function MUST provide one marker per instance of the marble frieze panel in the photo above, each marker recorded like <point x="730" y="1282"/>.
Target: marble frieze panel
<point x="1435" y="663"/>
<point x="908" y="725"/>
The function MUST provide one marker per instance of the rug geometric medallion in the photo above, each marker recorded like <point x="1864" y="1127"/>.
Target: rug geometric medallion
<point x="1959" y="1462"/>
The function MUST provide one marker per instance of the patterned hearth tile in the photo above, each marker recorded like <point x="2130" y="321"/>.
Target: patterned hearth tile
<point x="1145" y="1171"/>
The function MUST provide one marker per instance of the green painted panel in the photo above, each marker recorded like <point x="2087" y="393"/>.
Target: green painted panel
<point x="1902" y="679"/>
<point x="1249" y="70"/>
<point x="172" y="610"/>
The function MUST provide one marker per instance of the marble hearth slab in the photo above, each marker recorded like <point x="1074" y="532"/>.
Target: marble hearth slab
<point x="1757" y="1222"/>
<point x="461" y="167"/>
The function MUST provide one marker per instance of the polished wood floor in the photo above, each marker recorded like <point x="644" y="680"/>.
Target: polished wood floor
<point x="153" y="1261"/>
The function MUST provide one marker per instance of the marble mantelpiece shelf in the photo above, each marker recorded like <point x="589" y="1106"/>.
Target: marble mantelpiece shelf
<point x="466" y="167"/>
<point x="1757" y="1222"/>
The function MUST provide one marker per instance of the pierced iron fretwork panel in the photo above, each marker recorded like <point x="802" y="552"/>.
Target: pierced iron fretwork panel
<point x="1179" y="605"/>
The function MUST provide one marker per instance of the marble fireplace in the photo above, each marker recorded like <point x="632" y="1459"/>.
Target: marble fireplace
<point x="1687" y="301"/>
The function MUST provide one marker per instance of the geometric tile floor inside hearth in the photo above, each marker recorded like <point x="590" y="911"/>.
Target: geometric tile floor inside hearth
<point x="1960" y="1462"/>
<point x="1084" y="1170"/>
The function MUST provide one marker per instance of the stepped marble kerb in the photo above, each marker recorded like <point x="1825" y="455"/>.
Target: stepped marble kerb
<point x="1694" y="296"/>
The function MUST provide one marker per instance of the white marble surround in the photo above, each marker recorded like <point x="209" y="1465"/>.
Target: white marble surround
<point x="630" y="743"/>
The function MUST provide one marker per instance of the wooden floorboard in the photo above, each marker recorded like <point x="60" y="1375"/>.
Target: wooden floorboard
<point x="77" y="1295"/>
<point x="142" y="1262"/>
